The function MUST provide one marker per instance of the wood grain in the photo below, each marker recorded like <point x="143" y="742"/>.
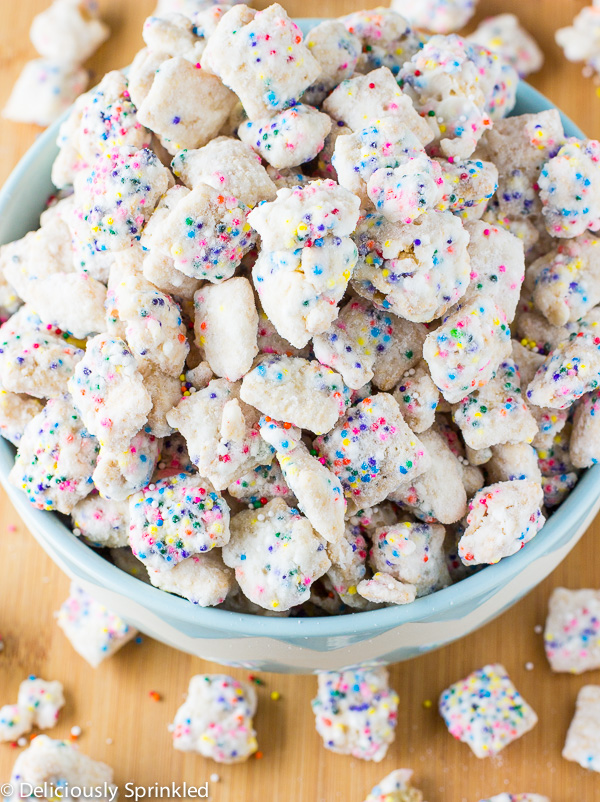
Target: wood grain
<point x="113" y="702"/>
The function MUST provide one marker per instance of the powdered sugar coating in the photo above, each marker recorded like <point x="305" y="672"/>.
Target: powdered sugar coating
<point x="365" y="342"/>
<point x="42" y="699"/>
<point x="300" y="391"/>
<point x="439" y="16"/>
<point x="581" y="744"/>
<point x="337" y="52"/>
<point x="504" y="35"/>
<point x="417" y="397"/>
<point x="35" y="358"/>
<point x="302" y="215"/>
<point x="68" y="32"/>
<point x="226" y="323"/>
<point x="300" y="289"/>
<point x="362" y="98"/>
<point x="125" y="470"/>
<point x="386" y="37"/>
<point x="16" y="410"/>
<point x="438" y="493"/>
<point x="385" y="589"/>
<point x="206" y="234"/>
<point x="221" y="432"/>
<point x="14" y="722"/>
<point x="496" y="413"/>
<point x="318" y="491"/>
<point x="502" y="519"/>
<point x="45" y="759"/>
<point x="395" y="787"/>
<point x="497" y="264"/>
<point x="418" y="271"/>
<point x="202" y="579"/>
<point x="227" y="165"/>
<point x="115" y="197"/>
<point x="171" y="107"/>
<point x="44" y="90"/>
<point x="102" y="522"/>
<point x="566" y="283"/>
<point x="108" y="391"/>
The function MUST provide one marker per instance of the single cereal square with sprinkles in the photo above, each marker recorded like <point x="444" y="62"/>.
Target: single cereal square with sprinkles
<point x="206" y="234"/>
<point x="372" y="450"/>
<point x="486" y="711"/>
<point x="56" y="458"/>
<point x="581" y="745"/>
<point x="356" y="712"/>
<point x="260" y="55"/>
<point x="176" y="518"/>
<point x="572" y="633"/>
<point x="216" y="719"/>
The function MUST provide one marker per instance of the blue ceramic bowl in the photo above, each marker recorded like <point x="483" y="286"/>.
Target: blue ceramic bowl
<point x="300" y="645"/>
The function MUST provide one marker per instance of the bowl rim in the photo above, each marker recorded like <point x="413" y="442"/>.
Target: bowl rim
<point x="57" y="536"/>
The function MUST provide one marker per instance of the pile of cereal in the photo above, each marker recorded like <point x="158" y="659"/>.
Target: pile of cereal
<point x="330" y="344"/>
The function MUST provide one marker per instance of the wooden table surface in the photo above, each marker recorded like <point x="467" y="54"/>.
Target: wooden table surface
<point x="120" y="722"/>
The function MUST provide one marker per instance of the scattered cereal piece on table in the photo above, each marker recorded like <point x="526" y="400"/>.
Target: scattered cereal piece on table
<point x="216" y="719"/>
<point x="396" y="787"/>
<point x="486" y="711"/>
<point x="44" y="90"/>
<point x="581" y="745"/>
<point x="94" y="631"/>
<point x="68" y="31"/>
<point x="356" y="712"/>
<point x="572" y="633"/>
<point x="15" y="721"/>
<point x="43" y="699"/>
